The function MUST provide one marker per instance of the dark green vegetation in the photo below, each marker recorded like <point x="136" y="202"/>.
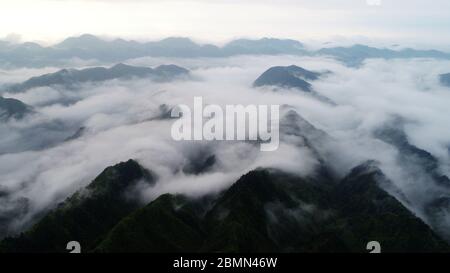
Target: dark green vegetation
<point x="87" y="215"/>
<point x="264" y="211"/>
<point x="70" y="78"/>
<point x="357" y="54"/>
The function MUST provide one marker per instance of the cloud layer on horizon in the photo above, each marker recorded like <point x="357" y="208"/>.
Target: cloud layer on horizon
<point x="412" y="21"/>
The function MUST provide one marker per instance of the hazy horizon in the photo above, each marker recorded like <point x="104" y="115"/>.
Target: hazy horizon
<point x="408" y="23"/>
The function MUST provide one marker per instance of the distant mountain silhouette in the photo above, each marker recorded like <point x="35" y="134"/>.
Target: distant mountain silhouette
<point x="445" y="79"/>
<point x="355" y="55"/>
<point x="12" y="108"/>
<point x="72" y="77"/>
<point x="87" y="214"/>
<point x="90" y="47"/>
<point x="267" y="46"/>
<point x="287" y="77"/>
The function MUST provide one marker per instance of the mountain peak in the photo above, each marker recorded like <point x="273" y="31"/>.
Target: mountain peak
<point x="12" y="108"/>
<point x="287" y="77"/>
<point x="88" y="37"/>
<point x="171" y="69"/>
<point x="120" y="65"/>
<point x="117" y="178"/>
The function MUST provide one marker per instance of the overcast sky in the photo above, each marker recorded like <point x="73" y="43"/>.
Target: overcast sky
<point x="421" y="21"/>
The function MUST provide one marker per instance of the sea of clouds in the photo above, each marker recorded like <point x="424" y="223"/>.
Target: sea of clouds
<point x="121" y="121"/>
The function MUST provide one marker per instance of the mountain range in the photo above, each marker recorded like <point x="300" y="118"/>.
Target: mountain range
<point x="356" y="54"/>
<point x="70" y="78"/>
<point x="90" y="47"/>
<point x="13" y="109"/>
<point x="265" y="210"/>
